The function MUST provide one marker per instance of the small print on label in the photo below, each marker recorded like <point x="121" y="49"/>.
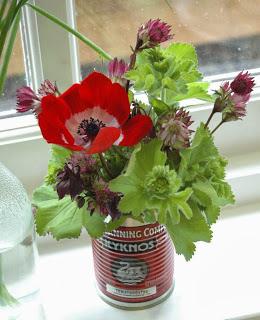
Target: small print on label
<point x="131" y="293"/>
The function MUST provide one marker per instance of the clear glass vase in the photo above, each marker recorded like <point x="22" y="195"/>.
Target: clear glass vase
<point x="18" y="252"/>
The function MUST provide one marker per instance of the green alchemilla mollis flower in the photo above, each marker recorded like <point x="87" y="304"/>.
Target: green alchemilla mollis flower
<point x="161" y="183"/>
<point x="149" y="185"/>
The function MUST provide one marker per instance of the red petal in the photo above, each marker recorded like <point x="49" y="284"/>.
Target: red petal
<point x="54" y="113"/>
<point x="118" y="103"/>
<point x="93" y="89"/>
<point x="104" y="140"/>
<point x="55" y="108"/>
<point x="135" y="130"/>
<point x="73" y="99"/>
<point x="98" y="91"/>
<point x="53" y="132"/>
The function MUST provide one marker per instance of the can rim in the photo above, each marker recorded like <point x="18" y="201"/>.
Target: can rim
<point x="130" y="222"/>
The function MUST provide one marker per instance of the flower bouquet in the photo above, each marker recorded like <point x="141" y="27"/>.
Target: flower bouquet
<point x="123" y="145"/>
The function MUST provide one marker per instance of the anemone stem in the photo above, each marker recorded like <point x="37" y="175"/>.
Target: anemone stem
<point x="105" y="166"/>
<point x="116" y="149"/>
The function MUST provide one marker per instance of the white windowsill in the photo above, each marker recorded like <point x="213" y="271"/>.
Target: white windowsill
<point x="221" y="281"/>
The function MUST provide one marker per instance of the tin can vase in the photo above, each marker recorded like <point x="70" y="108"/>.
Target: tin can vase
<point x="134" y="265"/>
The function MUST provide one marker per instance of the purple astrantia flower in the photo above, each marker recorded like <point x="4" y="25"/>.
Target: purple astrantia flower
<point x="27" y="99"/>
<point x="116" y="69"/>
<point x="69" y="181"/>
<point x="86" y="163"/>
<point x="153" y="33"/>
<point x="106" y="200"/>
<point x="242" y="84"/>
<point x="174" y="129"/>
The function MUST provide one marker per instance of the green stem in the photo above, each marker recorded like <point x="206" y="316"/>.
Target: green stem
<point x="65" y="26"/>
<point x="105" y="166"/>
<point x="7" y="24"/>
<point x="210" y="117"/>
<point x="8" y="52"/>
<point x="163" y="95"/>
<point x="116" y="149"/>
<point x="6" y="299"/>
<point x="221" y="122"/>
<point x="1" y="270"/>
<point x="2" y="11"/>
<point x="132" y="63"/>
<point x="18" y="7"/>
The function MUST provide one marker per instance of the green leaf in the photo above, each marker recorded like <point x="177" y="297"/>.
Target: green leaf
<point x="144" y="158"/>
<point x="62" y="218"/>
<point x="187" y="232"/>
<point x="147" y="170"/>
<point x="159" y="106"/>
<point x="149" y="82"/>
<point x="180" y="199"/>
<point x="224" y="192"/>
<point x="212" y="213"/>
<point x="202" y="148"/>
<point x="182" y="52"/>
<point x="203" y="168"/>
<point x="124" y="183"/>
<point x="43" y="194"/>
<point x="142" y="161"/>
<point x="206" y="194"/>
<point x="59" y="156"/>
<point x="94" y="224"/>
<point x="196" y="90"/>
<point x="132" y="202"/>
<point x="150" y="216"/>
<point x="173" y="69"/>
<point x="172" y="214"/>
<point x="149" y="156"/>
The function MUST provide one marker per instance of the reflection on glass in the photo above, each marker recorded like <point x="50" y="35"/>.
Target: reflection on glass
<point x="226" y="33"/>
<point x="15" y="78"/>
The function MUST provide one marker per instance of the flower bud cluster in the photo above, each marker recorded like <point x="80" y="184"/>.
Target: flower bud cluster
<point x="232" y="97"/>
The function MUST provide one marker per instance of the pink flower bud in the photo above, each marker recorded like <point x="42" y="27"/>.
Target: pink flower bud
<point x="153" y="33"/>
<point x="243" y="84"/>
<point x="27" y="99"/>
<point x="117" y="68"/>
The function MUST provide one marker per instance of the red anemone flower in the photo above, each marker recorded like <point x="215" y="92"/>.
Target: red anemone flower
<point x="92" y="116"/>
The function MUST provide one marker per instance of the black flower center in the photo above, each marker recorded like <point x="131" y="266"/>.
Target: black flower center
<point x="90" y="128"/>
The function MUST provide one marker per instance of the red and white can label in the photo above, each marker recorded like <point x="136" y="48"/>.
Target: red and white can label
<point x="134" y="264"/>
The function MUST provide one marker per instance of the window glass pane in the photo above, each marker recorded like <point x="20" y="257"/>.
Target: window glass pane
<point x="226" y="33"/>
<point x="15" y="79"/>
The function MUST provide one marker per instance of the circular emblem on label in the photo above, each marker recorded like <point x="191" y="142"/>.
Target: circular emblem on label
<point x="129" y="270"/>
